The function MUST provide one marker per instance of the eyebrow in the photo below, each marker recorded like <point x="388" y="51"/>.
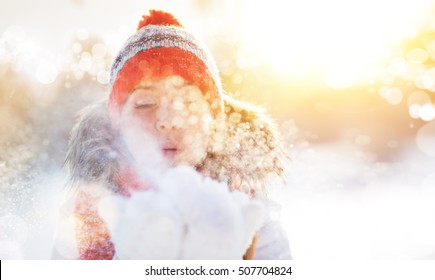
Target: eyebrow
<point x="142" y="87"/>
<point x="150" y="88"/>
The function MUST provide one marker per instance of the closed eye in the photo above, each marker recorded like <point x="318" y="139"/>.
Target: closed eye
<point x="190" y="101"/>
<point x="145" y="106"/>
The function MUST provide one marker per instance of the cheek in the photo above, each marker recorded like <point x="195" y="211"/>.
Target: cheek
<point x="195" y="141"/>
<point x="197" y="132"/>
<point x="136" y="130"/>
<point x="142" y="142"/>
<point x="138" y="121"/>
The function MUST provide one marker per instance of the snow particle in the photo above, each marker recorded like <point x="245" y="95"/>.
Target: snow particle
<point x="427" y="112"/>
<point x="417" y="55"/>
<point x="426" y="139"/>
<point x="76" y="48"/>
<point x="46" y="72"/>
<point x="363" y="140"/>
<point x="392" y="94"/>
<point x="99" y="50"/>
<point x="103" y="77"/>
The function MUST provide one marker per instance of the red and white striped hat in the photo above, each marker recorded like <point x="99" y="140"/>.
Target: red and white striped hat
<point x="162" y="47"/>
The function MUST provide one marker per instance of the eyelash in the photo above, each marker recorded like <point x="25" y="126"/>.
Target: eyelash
<point x="145" y="106"/>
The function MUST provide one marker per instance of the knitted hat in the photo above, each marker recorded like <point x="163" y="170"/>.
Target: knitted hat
<point x="162" y="47"/>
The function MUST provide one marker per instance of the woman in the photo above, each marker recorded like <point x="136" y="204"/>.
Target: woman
<point x="166" y="108"/>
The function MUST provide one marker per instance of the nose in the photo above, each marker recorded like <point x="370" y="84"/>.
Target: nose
<point x="167" y="124"/>
<point x="167" y="118"/>
<point x="164" y="125"/>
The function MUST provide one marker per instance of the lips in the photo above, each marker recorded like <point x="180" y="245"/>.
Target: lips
<point x="170" y="149"/>
<point x="170" y="152"/>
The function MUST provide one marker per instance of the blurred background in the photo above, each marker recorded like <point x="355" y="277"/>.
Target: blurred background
<point x="351" y="84"/>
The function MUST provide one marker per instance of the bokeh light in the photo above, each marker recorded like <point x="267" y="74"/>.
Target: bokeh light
<point x="338" y="42"/>
<point x="46" y="72"/>
<point x="351" y="85"/>
<point x="426" y="138"/>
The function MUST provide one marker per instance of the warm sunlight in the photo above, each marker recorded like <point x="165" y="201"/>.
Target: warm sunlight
<point x="344" y="41"/>
<point x="135" y="144"/>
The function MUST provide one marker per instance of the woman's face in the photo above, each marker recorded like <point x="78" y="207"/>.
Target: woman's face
<point x="174" y="113"/>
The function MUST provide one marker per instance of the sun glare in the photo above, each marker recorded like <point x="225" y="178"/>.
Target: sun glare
<point x="343" y="40"/>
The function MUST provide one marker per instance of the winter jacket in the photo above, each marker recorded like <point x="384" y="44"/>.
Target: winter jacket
<point x="97" y="157"/>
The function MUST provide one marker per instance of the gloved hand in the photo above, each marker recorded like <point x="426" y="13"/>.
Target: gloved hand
<point x="185" y="217"/>
<point x="145" y="226"/>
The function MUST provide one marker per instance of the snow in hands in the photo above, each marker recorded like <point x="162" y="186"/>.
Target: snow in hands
<point x="186" y="216"/>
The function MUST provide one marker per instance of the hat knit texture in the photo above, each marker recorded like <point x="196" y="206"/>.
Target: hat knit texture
<point x="163" y="47"/>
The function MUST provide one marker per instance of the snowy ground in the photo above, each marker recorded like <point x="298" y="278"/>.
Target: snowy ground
<point x="336" y="206"/>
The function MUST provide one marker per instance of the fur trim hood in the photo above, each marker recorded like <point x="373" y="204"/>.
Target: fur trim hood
<point x="245" y="149"/>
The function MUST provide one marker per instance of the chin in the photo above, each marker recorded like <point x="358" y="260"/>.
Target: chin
<point x="181" y="161"/>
